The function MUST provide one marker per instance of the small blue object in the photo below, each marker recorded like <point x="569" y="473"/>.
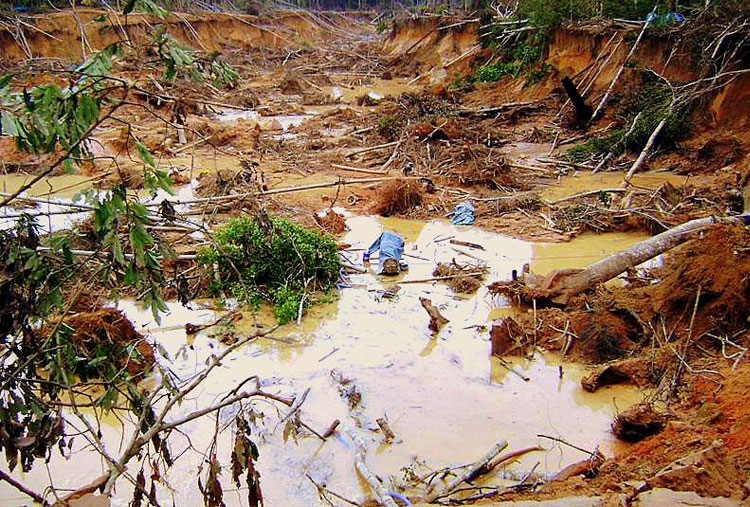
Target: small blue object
<point x="401" y="498"/>
<point x="463" y="214"/>
<point x="665" y="18"/>
<point x="20" y="8"/>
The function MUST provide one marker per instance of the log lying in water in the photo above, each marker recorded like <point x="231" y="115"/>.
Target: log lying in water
<point x="561" y="285"/>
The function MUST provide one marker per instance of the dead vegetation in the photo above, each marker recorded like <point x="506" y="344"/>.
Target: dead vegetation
<point x="107" y="332"/>
<point x="398" y="197"/>
<point x="462" y="278"/>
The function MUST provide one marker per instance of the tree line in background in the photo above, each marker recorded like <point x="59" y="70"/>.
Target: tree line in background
<point x="539" y="11"/>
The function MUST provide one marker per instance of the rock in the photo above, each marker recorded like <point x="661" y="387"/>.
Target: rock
<point x="708" y="472"/>
<point x="660" y="497"/>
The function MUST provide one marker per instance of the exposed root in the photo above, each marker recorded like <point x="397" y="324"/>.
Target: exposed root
<point x="461" y="282"/>
<point x="398" y="197"/>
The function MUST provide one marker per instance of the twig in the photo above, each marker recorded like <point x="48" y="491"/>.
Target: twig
<point x="471" y="473"/>
<point x="359" y="169"/>
<point x="556" y="439"/>
<point x="322" y="488"/>
<point x="23" y="489"/>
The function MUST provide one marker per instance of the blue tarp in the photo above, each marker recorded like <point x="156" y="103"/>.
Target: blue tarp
<point x="665" y="18"/>
<point x="463" y="214"/>
<point x="390" y="246"/>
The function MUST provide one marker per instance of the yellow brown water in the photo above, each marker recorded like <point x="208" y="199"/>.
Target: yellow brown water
<point x="65" y="185"/>
<point x="446" y="400"/>
<point x="377" y="88"/>
<point x="584" y="181"/>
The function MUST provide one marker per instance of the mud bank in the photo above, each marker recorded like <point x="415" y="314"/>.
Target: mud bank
<point x="72" y="35"/>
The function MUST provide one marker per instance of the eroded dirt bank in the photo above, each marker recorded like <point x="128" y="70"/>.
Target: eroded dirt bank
<point x="352" y="133"/>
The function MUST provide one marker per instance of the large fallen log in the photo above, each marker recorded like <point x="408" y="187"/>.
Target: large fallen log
<point x="560" y="285"/>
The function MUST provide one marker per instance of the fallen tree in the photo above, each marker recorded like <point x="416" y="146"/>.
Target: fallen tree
<point x="561" y="285"/>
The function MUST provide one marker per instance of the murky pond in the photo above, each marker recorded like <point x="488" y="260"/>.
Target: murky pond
<point x="376" y="90"/>
<point x="447" y="401"/>
<point x="585" y="181"/>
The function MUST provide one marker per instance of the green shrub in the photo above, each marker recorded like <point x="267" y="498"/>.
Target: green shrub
<point x="596" y="146"/>
<point x="390" y="127"/>
<point x="652" y="101"/>
<point x="492" y="73"/>
<point x="553" y="13"/>
<point x="277" y="268"/>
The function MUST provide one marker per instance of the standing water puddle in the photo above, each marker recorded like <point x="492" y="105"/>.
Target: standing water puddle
<point x="445" y="398"/>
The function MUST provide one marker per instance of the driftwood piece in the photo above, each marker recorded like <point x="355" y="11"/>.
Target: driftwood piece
<point x="587" y="467"/>
<point x="331" y="429"/>
<point x="437" y="321"/>
<point x="466" y="243"/>
<point x="381" y="494"/>
<point x="472" y="473"/>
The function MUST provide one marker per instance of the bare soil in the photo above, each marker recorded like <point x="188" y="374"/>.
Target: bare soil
<point x="679" y="329"/>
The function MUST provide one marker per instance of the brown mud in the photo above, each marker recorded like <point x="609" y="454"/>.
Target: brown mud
<point x="330" y="122"/>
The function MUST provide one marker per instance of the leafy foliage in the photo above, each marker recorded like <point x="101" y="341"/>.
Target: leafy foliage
<point x="651" y="101"/>
<point x="277" y="265"/>
<point x="493" y="72"/>
<point x="550" y="14"/>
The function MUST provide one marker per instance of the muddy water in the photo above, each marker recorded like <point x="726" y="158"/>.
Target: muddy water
<point x="585" y="181"/>
<point x="378" y="89"/>
<point x="60" y="186"/>
<point x="447" y="401"/>
<point x="580" y="251"/>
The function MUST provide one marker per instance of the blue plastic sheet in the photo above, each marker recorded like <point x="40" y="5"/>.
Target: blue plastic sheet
<point x="463" y="214"/>
<point x="665" y="18"/>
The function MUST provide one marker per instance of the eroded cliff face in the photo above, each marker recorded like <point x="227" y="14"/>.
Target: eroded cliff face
<point x="69" y="35"/>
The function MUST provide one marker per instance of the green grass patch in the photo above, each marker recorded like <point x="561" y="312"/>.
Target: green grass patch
<point x="278" y="267"/>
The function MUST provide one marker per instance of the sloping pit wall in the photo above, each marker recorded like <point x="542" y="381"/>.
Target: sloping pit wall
<point x="59" y="35"/>
<point x="416" y="46"/>
<point x="419" y="47"/>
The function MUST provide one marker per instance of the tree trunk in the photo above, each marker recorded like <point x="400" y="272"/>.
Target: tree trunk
<point x="561" y="285"/>
<point x="583" y="111"/>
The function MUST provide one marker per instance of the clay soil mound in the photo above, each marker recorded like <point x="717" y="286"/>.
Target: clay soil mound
<point x="108" y="331"/>
<point x="718" y="263"/>
<point x="331" y="222"/>
<point x="638" y="422"/>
